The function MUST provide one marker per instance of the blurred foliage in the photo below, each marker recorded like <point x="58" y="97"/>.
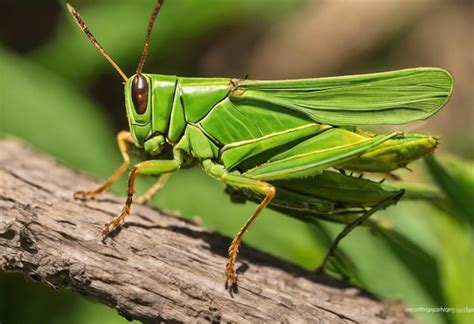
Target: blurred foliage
<point x="455" y="231"/>
<point x="45" y="306"/>
<point x="54" y="96"/>
<point x="457" y="182"/>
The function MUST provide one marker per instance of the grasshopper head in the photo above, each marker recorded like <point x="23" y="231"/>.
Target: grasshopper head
<point x="138" y="105"/>
<point x="137" y="87"/>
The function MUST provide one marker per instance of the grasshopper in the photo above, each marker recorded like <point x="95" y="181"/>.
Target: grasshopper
<point x="285" y="144"/>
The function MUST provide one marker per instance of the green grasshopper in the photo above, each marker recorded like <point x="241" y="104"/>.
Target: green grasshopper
<point x="284" y="144"/>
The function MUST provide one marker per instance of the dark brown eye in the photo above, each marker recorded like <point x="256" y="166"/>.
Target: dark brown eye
<point x="140" y="93"/>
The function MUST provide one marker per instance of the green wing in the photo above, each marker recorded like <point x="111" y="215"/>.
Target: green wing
<point x="394" y="97"/>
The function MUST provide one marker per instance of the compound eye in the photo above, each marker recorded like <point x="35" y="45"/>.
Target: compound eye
<point x="140" y="93"/>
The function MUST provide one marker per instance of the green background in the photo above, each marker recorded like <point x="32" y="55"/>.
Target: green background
<point x="61" y="96"/>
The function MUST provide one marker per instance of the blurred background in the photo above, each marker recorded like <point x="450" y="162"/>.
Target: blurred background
<point x="61" y="96"/>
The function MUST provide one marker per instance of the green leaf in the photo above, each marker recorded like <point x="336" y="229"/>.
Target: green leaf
<point x="456" y="266"/>
<point x="456" y="233"/>
<point x="457" y="182"/>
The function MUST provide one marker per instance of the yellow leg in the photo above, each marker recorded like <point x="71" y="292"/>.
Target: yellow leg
<point x="154" y="189"/>
<point x="151" y="167"/>
<point x="115" y="223"/>
<point x="240" y="182"/>
<point x="123" y="138"/>
<point x="234" y="246"/>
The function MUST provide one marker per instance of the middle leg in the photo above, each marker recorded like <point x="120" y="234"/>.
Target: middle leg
<point x="151" y="167"/>
<point x="153" y="190"/>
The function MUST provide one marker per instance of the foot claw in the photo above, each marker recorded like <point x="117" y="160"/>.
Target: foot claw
<point x="115" y="223"/>
<point x="231" y="277"/>
<point x="110" y="227"/>
<point x="106" y="229"/>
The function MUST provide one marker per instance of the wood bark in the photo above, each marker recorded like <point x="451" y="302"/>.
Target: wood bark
<point x="158" y="267"/>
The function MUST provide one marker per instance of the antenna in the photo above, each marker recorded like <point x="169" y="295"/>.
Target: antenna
<point x="82" y="25"/>
<point x="154" y="13"/>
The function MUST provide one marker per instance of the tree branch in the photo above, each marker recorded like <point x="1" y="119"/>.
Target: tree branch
<point x="159" y="267"/>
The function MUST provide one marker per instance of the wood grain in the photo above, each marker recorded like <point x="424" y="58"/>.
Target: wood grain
<point x="158" y="267"/>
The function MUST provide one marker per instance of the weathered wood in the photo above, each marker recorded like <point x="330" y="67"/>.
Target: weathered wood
<point x="159" y="267"/>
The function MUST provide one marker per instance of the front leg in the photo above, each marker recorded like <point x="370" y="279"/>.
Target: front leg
<point x="123" y="139"/>
<point x="150" y="167"/>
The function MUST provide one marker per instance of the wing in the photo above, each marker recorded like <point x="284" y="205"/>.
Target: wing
<point x="395" y="97"/>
